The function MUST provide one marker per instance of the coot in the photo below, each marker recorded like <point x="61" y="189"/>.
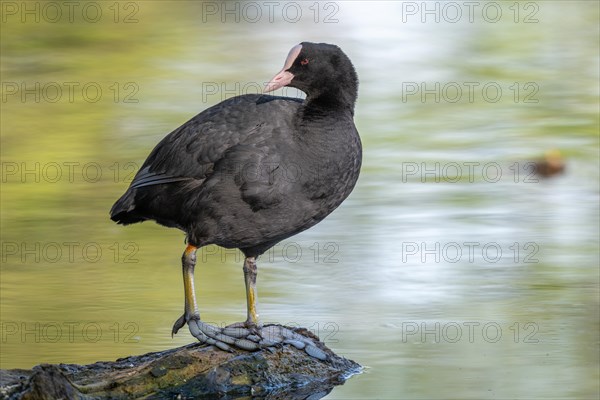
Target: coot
<point x="252" y="171"/>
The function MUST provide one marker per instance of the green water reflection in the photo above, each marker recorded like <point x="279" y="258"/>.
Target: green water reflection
<point x="426" y="321"/>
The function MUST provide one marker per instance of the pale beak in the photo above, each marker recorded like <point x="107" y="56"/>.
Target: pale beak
<point x="284" y="77"/>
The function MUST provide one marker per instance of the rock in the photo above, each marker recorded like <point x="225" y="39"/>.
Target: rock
<point x="192" y="371"/>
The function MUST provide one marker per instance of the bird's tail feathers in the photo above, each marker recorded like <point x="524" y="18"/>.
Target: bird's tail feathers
<point x="123" y="211"/>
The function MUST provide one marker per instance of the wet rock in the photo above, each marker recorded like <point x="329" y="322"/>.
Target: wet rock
<point x="193" y="371"/>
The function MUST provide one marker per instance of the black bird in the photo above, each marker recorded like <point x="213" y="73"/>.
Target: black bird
<point x="252" y="171"/>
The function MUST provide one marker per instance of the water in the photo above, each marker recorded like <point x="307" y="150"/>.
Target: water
<point x="449" y="272"/>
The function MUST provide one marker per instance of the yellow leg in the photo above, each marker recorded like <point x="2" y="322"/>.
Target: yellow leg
<point x="188" y="262"/>
<point x="250" y="272"/>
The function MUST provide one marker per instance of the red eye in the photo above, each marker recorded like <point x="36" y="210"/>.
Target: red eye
<point x="304" y="62"/>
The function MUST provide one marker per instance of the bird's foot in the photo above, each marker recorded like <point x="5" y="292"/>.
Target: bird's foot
<point x="249" y="337"/>
<point x="279" y="335"/>
<point x="271" y="336"/>
<point x="222" y="338"/>
<point x="248" y="328"/>
<point x="180" y="323"/>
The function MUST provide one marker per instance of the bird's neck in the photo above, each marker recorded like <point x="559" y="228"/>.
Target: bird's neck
<point x="330" y="103"/>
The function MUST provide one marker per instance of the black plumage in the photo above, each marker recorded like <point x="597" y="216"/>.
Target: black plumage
<point x="256" y="169"/>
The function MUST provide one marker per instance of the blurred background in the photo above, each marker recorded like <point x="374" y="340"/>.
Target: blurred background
<point x="464" y="264"/>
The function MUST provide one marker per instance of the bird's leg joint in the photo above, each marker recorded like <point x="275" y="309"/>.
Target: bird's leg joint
<point x="250" y="266"/>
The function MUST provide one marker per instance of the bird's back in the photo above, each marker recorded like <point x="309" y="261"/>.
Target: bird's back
<point x="186" y="157"/>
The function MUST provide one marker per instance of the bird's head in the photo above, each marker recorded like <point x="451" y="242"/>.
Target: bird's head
<point x="318" y="69"/>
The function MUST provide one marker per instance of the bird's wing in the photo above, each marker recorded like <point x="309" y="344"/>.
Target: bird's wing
<point x="254" y="167"/>
<point x="191" y="151"/>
